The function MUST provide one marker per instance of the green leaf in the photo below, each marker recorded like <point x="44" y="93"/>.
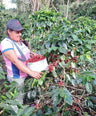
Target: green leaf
<point x="93" y="99"/>
<point x="44" y="75"/>
<point x="82" y="57"/>
<point x="62" y="92"/>
<point x="75" y="37"/>
<point x="74" y="75"/>
<point x="67" y="75"/>
<point x="2" y="76"/>
<point x="63" y="57"/>
<point x="62" y="64"/>
<point x="3" y="97"/>
<point x="40" y="81"/>
<point x="12" y="102"/>
<point x="88" y="57"/>
<point x="88" y="46"/>
<point x="56" y="100"/>
<point x="68" y="64"/>
<point x="8" y="95"/>
<point x="5" y="106"/>
<point x="90" y="104"/>
<point x="54" y="73"/>
<point x="73" y="81"/>
<point x="79" y="41"/>
<point x="29" y="111"/>
<point x="55" y="92"/>
<point x="67" y="96"/>
<point x="47" y="44"/>
<point x="49" y="112"/>
<point x="54" y="48"/>
<point x="62" y="50"/>
<point x="72" y="53"/>
<point x="66" y="113"/>
<point x="62" y="44"/>
<point x="73" y="65"/>
<point x="88" y="87"/>
<point x="34" y="82"/>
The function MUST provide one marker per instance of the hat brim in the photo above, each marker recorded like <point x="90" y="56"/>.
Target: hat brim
<point x="19" y="29"/>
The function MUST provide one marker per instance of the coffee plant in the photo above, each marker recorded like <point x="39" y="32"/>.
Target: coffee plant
<point x="83" y="9"/>
<point x="68" y="87"/>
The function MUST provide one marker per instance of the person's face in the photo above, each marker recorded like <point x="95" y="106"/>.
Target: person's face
<point x="15" y="35"/>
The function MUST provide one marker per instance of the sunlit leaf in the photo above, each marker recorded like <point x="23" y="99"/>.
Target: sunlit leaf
<point x="67" y="96"/>
<point x="88" y="57"/>
<point x="88" y="87"/>
<point x="62" y="50"/>
<point x="67" y="75"/>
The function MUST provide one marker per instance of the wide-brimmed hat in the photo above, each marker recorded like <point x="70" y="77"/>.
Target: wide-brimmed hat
<point x="14" y="24"/>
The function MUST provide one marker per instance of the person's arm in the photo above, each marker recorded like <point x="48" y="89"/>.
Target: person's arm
<point x="11" y="55"/>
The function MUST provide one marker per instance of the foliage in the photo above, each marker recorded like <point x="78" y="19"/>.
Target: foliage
<point x="67" y="40"/>
<point x="41" y="24"/>
<point x="87" y="30"/>
<point x="4" y="17"/>
<point x="68" y="87"/>
<point x="83" y="9"/>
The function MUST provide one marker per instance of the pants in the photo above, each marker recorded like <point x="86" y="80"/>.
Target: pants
<point x="20" y="83"/>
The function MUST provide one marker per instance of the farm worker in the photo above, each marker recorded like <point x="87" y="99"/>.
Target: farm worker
<point x="12" y="49"/>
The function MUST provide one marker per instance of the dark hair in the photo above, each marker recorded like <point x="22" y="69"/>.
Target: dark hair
<point x="9" y="30"/>
<point x="26" y="43"/>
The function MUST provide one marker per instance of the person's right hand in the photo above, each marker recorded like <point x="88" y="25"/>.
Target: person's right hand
<point x="36" y="75"/>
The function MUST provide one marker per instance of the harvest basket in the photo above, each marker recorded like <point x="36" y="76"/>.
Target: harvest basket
<point x="37" y="63"/>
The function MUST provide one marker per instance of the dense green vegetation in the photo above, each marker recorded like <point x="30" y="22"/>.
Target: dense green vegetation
<point x="89" y="9"/>
<point x="68" y="89"/>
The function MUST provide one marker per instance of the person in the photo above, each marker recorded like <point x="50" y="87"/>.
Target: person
<point x="12" y="49"/>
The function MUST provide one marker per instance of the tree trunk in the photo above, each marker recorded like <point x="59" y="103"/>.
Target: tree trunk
<point x="54" y="6"/>
<point x="46" y="3"/>
<point x="34" y="5"/>
<point x="18" y="6"/>
<point x="64" y="7"/>
<point x="1" y="2"/>
<point x="67" y="9"/>
<point x="78" y="1"/>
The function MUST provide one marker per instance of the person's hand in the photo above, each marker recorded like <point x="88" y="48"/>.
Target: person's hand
<point x="36" y="75"/>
